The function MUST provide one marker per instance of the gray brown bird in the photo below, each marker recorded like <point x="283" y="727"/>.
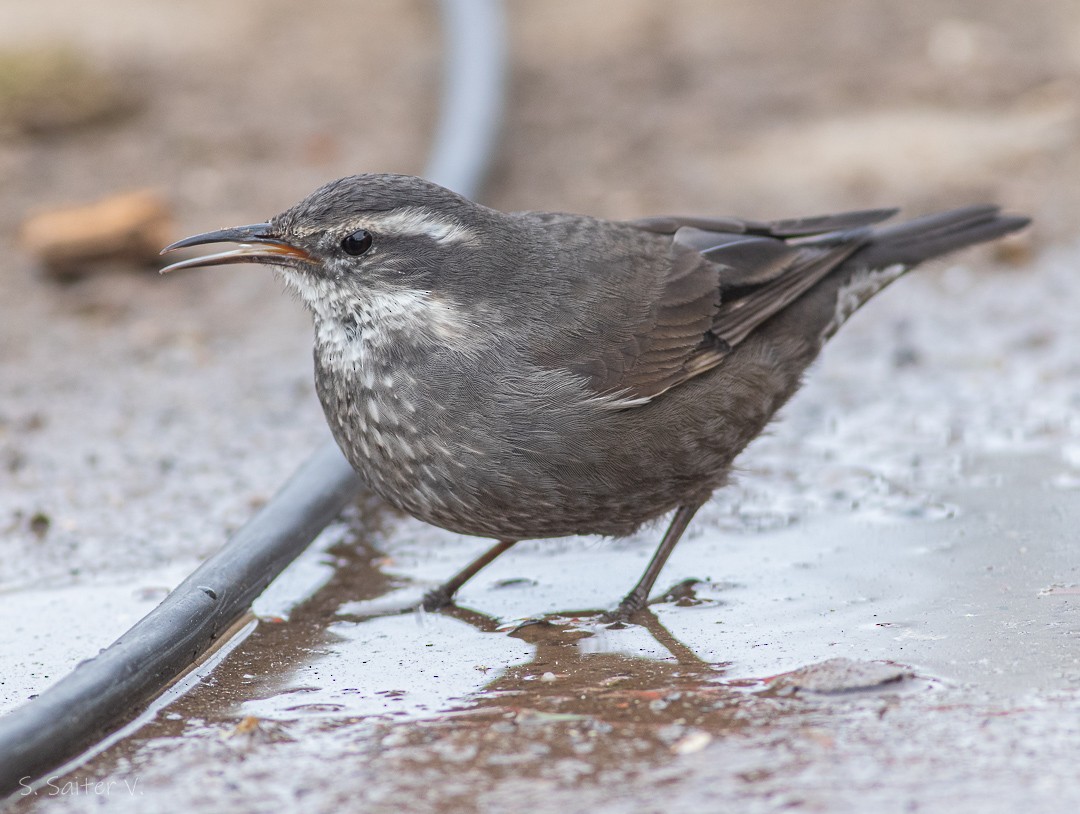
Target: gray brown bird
<point x="532" y="375"/>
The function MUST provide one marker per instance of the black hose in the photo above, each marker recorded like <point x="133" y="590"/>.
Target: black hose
<point x="103" y="693"/>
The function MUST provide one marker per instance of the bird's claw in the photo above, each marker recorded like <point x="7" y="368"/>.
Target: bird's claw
<point x="620" y="617"/>
<point x="437" y="599"/>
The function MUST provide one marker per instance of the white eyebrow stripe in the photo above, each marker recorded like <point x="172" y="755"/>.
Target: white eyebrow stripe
<point x="418" y="222"/>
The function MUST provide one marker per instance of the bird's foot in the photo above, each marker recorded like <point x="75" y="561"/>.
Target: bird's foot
<point x="437" y="599"/>
<point x="621" y="616"/>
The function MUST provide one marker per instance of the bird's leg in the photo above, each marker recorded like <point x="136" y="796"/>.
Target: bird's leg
<point x="444" y="595"/>
<point x="636" y="599"/>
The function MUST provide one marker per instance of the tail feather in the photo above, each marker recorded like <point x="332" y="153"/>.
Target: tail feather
<point x="920" y="239"/>
<point x="885" y="255"/>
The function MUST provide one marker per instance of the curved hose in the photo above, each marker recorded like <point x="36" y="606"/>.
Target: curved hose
<point x="106" y="692"/>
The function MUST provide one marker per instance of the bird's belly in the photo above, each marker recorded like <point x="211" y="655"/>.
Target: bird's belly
<point x="471" y="484"/>
<point x="462" y="465"/>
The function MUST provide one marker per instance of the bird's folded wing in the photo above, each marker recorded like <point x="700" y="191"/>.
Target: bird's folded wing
<point x="653" y="352"/>
<point x="725" y="277"/>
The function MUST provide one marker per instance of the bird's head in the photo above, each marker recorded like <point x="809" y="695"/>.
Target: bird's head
<point x="361" y="238"/>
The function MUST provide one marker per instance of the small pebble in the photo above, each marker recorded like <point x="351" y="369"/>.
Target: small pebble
<point x="694" y="742"/>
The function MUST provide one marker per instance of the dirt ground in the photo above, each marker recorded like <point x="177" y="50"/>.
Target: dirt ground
<point x="887" y="617"/>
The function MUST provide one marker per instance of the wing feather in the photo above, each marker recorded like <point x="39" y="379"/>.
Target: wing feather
<point x="721" y="279"/>
<point x="716" y="280"/>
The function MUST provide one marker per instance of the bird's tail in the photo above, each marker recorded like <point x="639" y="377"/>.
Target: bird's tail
<point x="891" y="251"/>
<point x="914" y="241"/>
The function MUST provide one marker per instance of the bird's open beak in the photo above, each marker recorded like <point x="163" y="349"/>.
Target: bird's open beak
<point x="256" y="245"/>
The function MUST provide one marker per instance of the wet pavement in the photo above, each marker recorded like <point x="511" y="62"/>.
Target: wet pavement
<point x="855" y="665"/>
<point x="880" y="615"/>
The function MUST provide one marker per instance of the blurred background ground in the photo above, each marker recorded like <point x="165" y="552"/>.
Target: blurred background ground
<point x="141" y="419"/>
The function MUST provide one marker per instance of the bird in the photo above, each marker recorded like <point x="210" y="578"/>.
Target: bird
<point x="533" y="375"/>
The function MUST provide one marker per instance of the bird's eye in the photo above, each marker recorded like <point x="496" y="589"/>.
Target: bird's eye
<point x="357" y="243"/>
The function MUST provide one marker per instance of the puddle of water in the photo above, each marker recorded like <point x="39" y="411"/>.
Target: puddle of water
<point x="400" y="666"/>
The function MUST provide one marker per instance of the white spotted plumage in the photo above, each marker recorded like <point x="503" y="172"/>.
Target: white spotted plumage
<point x="862" y="285"/>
